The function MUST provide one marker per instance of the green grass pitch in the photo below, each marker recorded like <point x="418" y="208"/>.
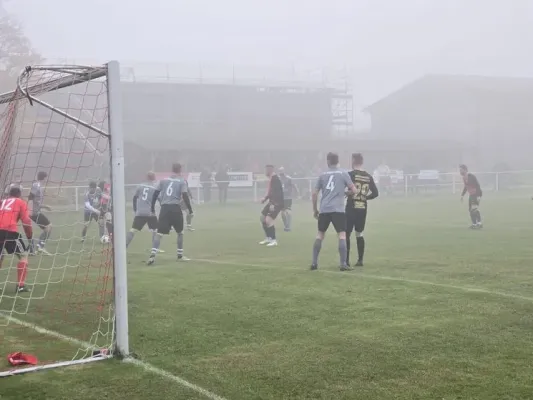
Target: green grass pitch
<point x="438" y="311"/>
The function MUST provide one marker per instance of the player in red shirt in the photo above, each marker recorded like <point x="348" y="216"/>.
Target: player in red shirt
<point x="12" y="210"/>
<point x="474" y="196"/>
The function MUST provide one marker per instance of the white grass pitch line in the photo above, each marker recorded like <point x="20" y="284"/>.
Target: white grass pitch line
<point x="144" y="365"/>
<point x="378" y="277"/>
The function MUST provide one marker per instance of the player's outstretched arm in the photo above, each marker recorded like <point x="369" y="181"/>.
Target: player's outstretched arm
<point x="154" y="200"/>
<point x="187" y="201"/>
<point x="135" y="197"/>
<point x="373" y="190"/>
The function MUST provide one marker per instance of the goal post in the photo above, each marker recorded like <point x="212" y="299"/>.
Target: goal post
<point x="63" y="299"/>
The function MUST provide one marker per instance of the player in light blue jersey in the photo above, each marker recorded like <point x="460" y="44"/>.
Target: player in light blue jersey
<point x="170" y="191"/>
<point x="142" y="206"/>
<point x="332" y="184"/>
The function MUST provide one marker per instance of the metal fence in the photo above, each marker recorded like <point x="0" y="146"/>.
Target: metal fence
<point x="72" y="197"/>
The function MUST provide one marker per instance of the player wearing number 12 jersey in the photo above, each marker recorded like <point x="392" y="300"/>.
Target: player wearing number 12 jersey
<point x="170" y="192"/>
<point x="142" y="206"/>
<point x="12" y="210"/>
<point x="332" y="184"/>
<point x="356" y="206"/>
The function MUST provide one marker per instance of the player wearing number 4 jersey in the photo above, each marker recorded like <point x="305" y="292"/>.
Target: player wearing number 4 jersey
<point x="356" y="206"/>
<point x="170" y="192"/>
<point x="12" y="210"/>
<point x="142" y="206"/>
<point x="332" y="184"/>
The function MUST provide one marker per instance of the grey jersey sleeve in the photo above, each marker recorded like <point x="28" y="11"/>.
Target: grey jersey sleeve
<point x="347" y="180"/>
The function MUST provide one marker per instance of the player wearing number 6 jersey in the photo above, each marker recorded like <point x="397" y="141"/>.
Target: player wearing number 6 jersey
<point x="332" y="184"/>
<point x="170" y="192"/>
<point x="12" y="210"/>
<point x="356" y="206"/>
<point x="142" y="206"/>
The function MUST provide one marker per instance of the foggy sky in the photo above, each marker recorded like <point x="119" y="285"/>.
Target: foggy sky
<point x="384" y="43"/>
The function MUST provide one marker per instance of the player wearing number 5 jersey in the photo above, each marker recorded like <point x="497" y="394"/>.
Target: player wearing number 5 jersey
<point x="170" y="192"/>
<point x="356" y="206"/>
<point x="142" y="206"/>
<point x="332" y="184"/>
<point x="12" y="210"/>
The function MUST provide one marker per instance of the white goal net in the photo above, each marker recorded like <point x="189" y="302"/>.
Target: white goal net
<point x="59" y="306"/>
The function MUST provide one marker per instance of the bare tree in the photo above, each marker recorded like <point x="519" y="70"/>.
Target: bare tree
<point x="15" y="48"/>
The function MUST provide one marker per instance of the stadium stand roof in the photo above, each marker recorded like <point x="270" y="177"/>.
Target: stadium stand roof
<point x="515" y="90"/>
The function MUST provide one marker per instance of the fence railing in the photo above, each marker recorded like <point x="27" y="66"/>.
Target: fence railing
<point x="72" y="197"/>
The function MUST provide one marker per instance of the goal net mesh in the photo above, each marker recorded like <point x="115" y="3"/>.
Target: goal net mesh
<point x="55" y="122"/>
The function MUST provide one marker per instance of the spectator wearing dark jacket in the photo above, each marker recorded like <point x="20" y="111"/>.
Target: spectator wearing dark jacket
<point x="222" y="180"/>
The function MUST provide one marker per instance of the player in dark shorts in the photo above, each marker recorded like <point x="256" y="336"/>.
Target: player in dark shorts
<point x="275" y="200"/>
<point x="142" y="206"/>
<point x="91" y="210"/>
<point x="332" y="184"/>
<point x="12" y="210"/>
<point x="288" y="189"/>
<point x="356" y="206"/>
<point x="170" y="192"/>
<point x="474" y="196"/>
<point x="36" y="197"/>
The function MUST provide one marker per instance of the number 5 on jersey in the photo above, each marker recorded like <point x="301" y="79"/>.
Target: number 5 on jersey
<point x="331" y="184"/>
<point x="145" y="193"/>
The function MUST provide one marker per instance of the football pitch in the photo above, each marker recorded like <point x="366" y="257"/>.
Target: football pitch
<point x="438" y="311"/>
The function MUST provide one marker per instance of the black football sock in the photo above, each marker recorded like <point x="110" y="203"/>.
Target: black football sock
<point x="265" y="229"/>
<point x="478" y="217"/>
<point x="84" y="232"/>
<point x="361" y="247"/>
<point x="473" y="217"/>
<point x="272" y="232"/>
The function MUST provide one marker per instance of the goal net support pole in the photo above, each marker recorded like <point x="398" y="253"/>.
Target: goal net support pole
<point x="119" y="208"/>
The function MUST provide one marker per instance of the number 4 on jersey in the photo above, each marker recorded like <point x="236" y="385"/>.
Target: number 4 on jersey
<point x="331" y="184"/>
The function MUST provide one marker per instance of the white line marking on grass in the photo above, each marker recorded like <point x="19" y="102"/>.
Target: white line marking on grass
<point x="379" y="277"/>
<point x="144" y="365"/>
<point x="154" y="370"/>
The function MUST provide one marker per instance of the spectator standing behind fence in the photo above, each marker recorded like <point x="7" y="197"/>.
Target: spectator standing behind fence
<point x="206" y="179"/>
<point x="222" y="180"/>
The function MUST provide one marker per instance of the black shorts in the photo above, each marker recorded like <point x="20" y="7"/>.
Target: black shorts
<point x="355" y="220"/>
<point x="40" y="220"/>
<point x="88" y="216"/>
<point x="140" y="221"/>
<point x="272" y="213"/>
<point x="473" y="202"/>
<point x="170" y="216"/>
<point x="12" y="242"/>
<point x="287" y="204"/>
<point x="338" y="219"/>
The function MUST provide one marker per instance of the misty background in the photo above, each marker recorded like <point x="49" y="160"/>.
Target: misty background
<point x="383" y="44"/>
